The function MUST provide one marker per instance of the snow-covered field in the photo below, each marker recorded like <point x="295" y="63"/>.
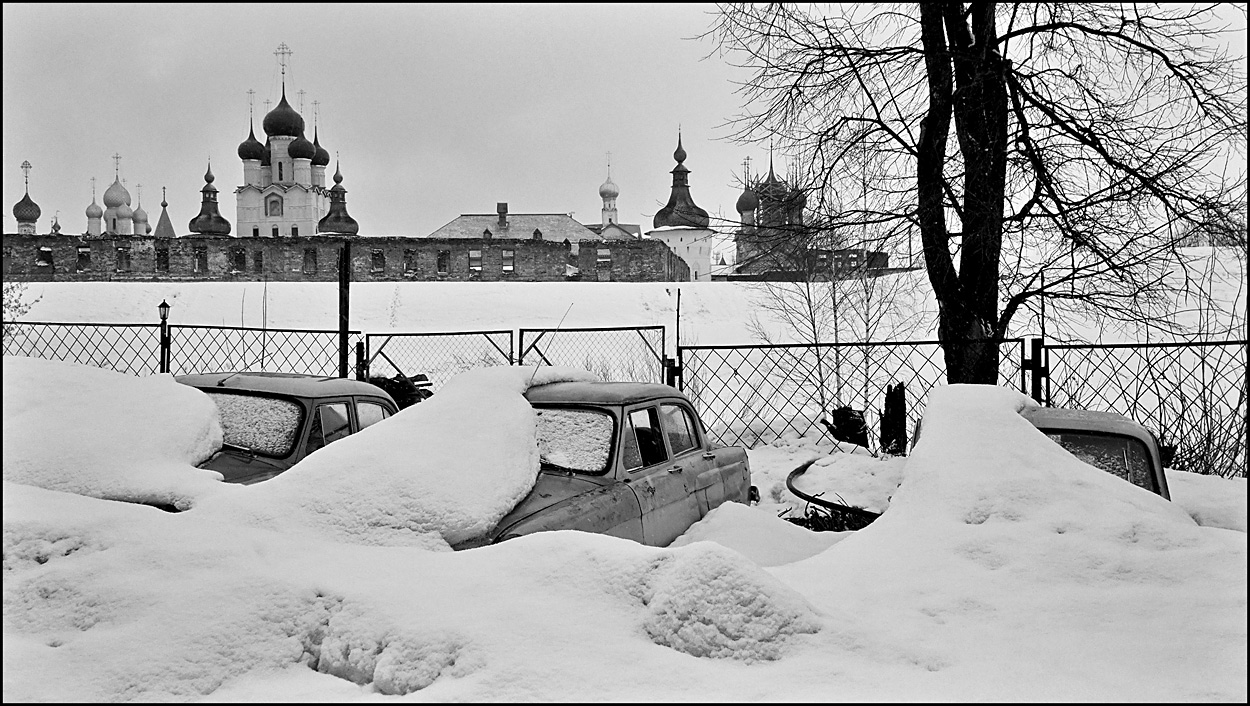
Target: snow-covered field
<point x="1003" y="569"/>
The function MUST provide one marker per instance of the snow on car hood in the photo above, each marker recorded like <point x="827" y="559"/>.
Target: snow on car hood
<point x="104" y="434"/>
<point x="442" y="471"/>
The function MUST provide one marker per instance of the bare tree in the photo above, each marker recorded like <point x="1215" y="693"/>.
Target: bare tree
<point x="1087" y="139"/>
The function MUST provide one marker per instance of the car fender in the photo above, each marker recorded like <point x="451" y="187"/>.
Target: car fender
<point x="607" y="509"/>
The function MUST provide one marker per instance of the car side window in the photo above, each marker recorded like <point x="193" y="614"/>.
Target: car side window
<point x="370" y="413"/>
<point x="647" y="434"/>
<point x="679" y="427"/>
<point x="330" y="423"/>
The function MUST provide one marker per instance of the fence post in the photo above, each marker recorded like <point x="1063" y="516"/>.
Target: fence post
<point x="345" y="280"/>
<point x="163" y="362"/>
<point x="362" y="365"/>
<point x="1038" y="368"/>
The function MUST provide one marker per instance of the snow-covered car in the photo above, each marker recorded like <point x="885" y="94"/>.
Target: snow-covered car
<point x="1105" y="440"/>
<point x="627" y="459"/>
<point x="270" y="421"/>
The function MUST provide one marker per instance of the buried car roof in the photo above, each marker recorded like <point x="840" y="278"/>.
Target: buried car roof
<point x="599" y="392"/>
<point x="283" y="383"/>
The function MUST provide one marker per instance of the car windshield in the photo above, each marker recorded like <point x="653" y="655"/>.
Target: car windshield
<point x="265" y="425"/>
<point x="1121" y="456"/>
<point x="574" y="439"/>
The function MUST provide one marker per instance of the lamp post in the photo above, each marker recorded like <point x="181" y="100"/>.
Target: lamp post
<point x="164" y="357"/>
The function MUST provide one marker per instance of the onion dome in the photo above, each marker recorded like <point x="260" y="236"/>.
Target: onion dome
<point x="124" y="211"/>
<point x="322" y="158"/>
<point x="116" y="195"/>
<point x="283" y="120"/>
<point x="301" y="148"/>
<point x="609" y="189"/>
<point x="748" y="201"/>
<point x="56" y="226"/>
<point x="94" y="210"/>
<point x="26" y="211"/>
<point x="139" y="216"/>
<point x="209" y="221"/>
<point x="337" y="220"/>
<point x="679" y="154"/>
<point x="251" y="148"/>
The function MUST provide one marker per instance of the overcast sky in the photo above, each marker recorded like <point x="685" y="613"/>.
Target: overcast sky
<point x="434" y="110"/>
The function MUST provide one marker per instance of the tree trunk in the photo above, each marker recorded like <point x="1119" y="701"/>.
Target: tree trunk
<point x="967" y="299"/>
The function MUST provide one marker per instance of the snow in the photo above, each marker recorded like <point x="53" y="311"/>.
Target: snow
<point x="437" y="473"/>
<point x="139" y="437"/>
<point x="1002" y="569"/>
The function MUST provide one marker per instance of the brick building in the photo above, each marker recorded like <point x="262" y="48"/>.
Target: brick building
<point x="71" y="258"/>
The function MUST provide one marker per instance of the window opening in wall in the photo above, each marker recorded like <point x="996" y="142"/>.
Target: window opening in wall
<point x="43" y="256"/>
<point x="280" y="172"/>
<point x="475" y="261"/>
<point x="84" y="258"/>
<point x="294" y="231"/>
<point x="310" y="261"/>
<point x="604" y="258"/>
<point x="509" y="260"/>
<point x="275" y="231"/>
<point x="162" y="259"/>
<point x="255" y="231"/>
<point x="258" y="261"/>
<point x="201" y="258"/>
<point x="410" y="262"/>
<point x="123" y="259"/>
<point x="238" y="259"/>
<point x="378" y="264"/>
<point x="538" y="234"/>
<point x="444" y="261"/>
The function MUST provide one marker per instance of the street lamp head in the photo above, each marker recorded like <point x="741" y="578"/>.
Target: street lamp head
<point x="164" y="309"/>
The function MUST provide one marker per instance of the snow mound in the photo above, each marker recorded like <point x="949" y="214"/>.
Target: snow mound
<point x="708" y="601"/>
<point x="440" y="472"/>
<point x="855" y="480"/>
<point x="1212" y="501"/>
<point x="105" y="434"/>
<point x="354" y="642"/>
<point x="758" y="534"/>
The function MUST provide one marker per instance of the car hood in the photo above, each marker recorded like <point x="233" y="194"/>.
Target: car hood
<point x="243" y="467"/>
<point x="551" y="487"/>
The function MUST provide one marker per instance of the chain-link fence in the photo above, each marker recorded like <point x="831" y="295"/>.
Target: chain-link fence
<point x="630" y="353"/>
<point x="136" y="348"/>
<point x="750" y="395"/>
<point x="201" y="349"/>
<point x="126" y="348"/>
<point x="439" y="356"/>
<point x="1192" y="395"/>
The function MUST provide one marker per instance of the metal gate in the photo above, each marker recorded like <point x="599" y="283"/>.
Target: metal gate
<point x="440" y="356"/>
<point x="633" y="353"/>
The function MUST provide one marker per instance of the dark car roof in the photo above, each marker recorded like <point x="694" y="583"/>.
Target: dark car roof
<point x="614" y="393"/>
<point x="283" y="383"/>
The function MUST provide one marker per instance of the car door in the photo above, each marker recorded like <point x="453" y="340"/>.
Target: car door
<point x="664" y="487"/>
<point x="331" y="421"/>
<point x="684" y="440"/>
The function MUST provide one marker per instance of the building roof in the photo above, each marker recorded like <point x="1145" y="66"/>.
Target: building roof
<point x="616" y="230"/>
<point x="554" y="226"/>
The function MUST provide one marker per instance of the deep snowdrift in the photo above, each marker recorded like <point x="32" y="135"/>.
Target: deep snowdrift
<point x="437" y="473"/>
<point x="105" y="434"/>
<point x="1004" y="569"/>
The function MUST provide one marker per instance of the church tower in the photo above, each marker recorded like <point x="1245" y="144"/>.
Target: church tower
<point x="283" y="192"/>
<point x="608" y="192"/>
<point x="26" y="211"/>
